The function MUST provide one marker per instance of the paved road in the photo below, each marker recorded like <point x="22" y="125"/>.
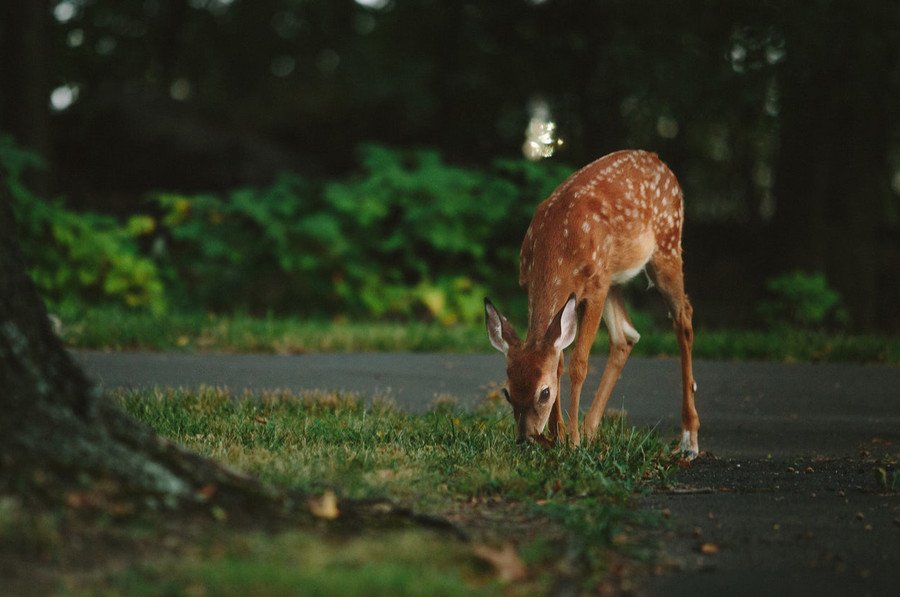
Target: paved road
<point x="786" y="494"/>
<point x="746" y="409"/>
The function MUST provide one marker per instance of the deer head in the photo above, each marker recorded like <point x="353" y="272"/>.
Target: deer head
<point x="532" y="367"/>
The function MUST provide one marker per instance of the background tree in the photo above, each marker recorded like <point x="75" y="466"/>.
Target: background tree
<point x="778" y="118"/>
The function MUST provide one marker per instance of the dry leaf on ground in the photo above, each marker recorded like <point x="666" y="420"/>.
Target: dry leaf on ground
<point x="506" y="561"/>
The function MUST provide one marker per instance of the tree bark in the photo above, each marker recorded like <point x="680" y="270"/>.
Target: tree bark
<point x="57" y="425"/>
<point x="55" y="420"/>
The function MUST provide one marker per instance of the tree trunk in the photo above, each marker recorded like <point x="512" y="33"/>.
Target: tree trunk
<point x="58" y="431"/>
<point x="55" y="421"/>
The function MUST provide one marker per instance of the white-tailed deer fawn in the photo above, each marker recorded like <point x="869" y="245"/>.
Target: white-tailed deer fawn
<point x="613" y="218"/>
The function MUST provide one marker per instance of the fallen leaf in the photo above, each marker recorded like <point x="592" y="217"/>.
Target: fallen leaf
<point x="709" y="549"/>
<point x="207" y="491"/>
<point x="506" y="561"/>
<point x="325" y="507"/>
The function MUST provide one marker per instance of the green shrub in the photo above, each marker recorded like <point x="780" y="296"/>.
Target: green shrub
<point x="801" y="300"/>
<point x="255" y="249"/>
<point x="79" y="257"/>
<point x="406" y="236"/>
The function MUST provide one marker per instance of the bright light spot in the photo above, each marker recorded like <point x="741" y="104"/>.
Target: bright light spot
<point x="376" y="4"/>
<point x="75" y="38"/>
<point x="180" y="90"/>
<point x="63" y="96"/>
<point x="65" y="11"/>
<point x="666" y="127"/>
<point x="283" y="66"/>
<point x="541" y="140"/>
<point x="774" y="54"/>
<point x="895" y="182"/>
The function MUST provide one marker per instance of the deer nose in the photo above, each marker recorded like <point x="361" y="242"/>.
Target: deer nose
<point x="524" y="439"/>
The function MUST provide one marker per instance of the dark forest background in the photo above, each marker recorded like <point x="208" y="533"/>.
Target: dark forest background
<point x="315" y="124"/>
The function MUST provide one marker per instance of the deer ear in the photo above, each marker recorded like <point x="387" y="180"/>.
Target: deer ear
<point x="499" y="330"/>
<point x="562" y="329"/>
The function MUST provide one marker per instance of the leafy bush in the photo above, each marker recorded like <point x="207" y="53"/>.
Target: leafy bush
<point x="254" y="249"/>
<point x="79" y="257"/>
<point x="408" y="235"/>
<point x="801" y="300"/>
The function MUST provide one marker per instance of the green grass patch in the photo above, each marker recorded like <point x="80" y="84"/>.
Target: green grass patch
<point x="119" y="329"/>
<point x="308" y="563"/>
<point x="564" y="509"/>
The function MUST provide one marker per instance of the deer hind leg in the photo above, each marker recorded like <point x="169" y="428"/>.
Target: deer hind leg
<point x="578" y="361"/>
<point x="668" y="275"/>
<point x="622" y="338"/>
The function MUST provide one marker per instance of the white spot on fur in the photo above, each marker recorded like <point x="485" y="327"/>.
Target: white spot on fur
<point x="585" y="227"/>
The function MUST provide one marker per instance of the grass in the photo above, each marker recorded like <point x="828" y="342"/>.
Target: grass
<point x="117" y="329"/>
<point x="306" y="563"/>
<point x="567" y="512"/>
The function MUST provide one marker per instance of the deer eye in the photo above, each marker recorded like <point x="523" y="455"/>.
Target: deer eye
<point x="545" y="395"/>
<point x="506" y="395"/>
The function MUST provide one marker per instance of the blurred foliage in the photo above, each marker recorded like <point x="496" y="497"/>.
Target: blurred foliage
<point x="213" y="95"/>
<point x="79" y="257"/>
<point x="802" y="300"/>
<point x="407" y="235"/>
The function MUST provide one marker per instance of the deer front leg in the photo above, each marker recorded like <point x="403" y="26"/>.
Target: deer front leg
<point x="556" y="426"/>
<point x="578" y="362"/>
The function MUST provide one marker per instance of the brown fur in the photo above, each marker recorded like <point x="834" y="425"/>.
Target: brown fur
<point x="602" y="225"/>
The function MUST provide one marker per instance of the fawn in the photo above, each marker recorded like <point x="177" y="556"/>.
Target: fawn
<point x="601" y="227"/>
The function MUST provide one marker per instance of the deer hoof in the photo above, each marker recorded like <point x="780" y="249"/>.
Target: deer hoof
<point x="689" y="449"/>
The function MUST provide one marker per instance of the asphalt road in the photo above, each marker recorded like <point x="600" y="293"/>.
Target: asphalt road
<point x="784" y="501"/>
